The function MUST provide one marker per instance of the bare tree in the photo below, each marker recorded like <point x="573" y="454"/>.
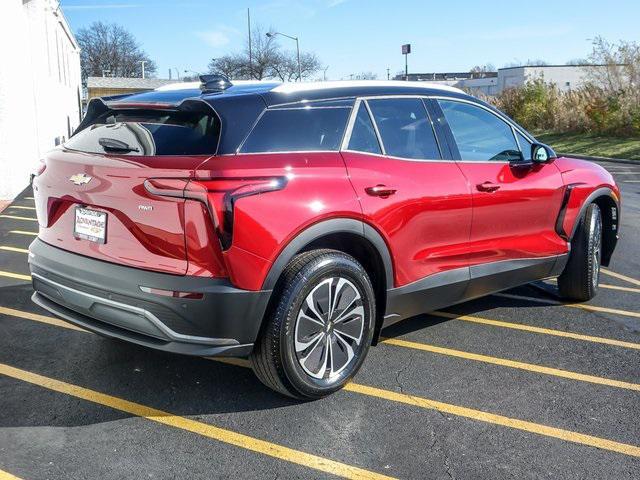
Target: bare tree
<point x="620" y="65"/>
<point x="231" y="66"/>
<point x="529" y="63"/>
<point x="480" y="71"/>
<point x="267" y="60"/>
<point x="108" y="46"/>
<point x="286" y="66"/>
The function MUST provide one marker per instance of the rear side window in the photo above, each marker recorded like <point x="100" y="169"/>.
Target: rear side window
<point x="150" y="132"/>
<point x="363" y="135"/>
<point x="298" y="129"/>
<point x="405" y="129"/>
<point x="479" y="134"/>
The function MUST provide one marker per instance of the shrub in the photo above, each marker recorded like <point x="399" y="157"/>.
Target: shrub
<point x="540" y="106"/>
<point x="609" y="104"/>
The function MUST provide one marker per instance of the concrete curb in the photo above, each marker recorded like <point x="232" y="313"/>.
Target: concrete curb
<point x="601" y="159"/>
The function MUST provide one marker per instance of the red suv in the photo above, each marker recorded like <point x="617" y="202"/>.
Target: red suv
<point x="290" y="223"/>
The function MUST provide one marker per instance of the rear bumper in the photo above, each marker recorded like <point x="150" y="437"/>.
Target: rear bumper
<point x="106" y="298"/>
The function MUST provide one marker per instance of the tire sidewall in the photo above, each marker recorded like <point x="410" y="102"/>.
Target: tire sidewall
<point x="326" y="266"/>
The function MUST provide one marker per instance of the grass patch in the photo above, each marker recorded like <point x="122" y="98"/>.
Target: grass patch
<point x="592" y="145"/>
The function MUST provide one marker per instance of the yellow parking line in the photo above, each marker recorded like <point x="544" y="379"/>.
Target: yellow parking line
<point x="14" y="249"/>
<point x="200" y="428"/>
<point x="21" y="207"/>
<point x="591" y="308"/>
<point x="532" y="329"/>
<point x="481" y="416"/>
<point x="28" y="198"/>
<point x="7" y="476"/>
<point x="400" y="343"/>
<point x="530" y="367"/>
<point x="14" y="217"/>
<point x="608" y="287"/>
<point x="39" y="318"/>
<point x="22" y="232"/>
<point x="620" y="276"/>
<point x="19" y="276"/>
<point x="616" y="287"/>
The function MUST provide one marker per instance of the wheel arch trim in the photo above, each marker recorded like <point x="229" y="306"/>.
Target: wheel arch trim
<point x="611" y="222"/>
<point x="325" y="228"/>
<point x="599" y="192"/>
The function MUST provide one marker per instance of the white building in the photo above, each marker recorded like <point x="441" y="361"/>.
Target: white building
<point x="565" y="77"/>
<point x="40" y="87"/>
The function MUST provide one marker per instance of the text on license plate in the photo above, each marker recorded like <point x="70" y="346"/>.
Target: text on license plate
<point x="90" y="225"/>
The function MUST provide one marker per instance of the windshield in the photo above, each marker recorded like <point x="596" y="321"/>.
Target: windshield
<point x="149" y="132"/>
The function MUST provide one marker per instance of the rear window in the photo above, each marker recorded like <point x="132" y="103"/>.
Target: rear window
<point x="150" y="132"/>
<point x="298" y="129"/>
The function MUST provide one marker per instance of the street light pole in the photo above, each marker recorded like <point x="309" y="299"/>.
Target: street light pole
<point x="143" y="62"/>
<point x="273" y="34"/>
<point x="299" y="70"/>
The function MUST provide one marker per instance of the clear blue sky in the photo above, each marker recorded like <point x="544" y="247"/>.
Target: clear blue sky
<point x="352" y="36"/>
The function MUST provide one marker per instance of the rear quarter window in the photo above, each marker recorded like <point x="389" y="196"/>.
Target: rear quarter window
<point x="149" y="132"/>
<point x="298" y="129"/>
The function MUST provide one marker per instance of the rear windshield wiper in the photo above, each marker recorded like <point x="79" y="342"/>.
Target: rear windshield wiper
<point x="113" y="145"/>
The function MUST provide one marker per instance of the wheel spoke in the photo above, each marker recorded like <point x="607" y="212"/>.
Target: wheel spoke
<point x="314" y="299"/>
<point x="351" y="330"/>
<point x="339" y="356"/>
<point x="346" y="348"/>
<point x="357" y="310"/>
<point x="315" y="363"/>
<point x="301" y="346"/>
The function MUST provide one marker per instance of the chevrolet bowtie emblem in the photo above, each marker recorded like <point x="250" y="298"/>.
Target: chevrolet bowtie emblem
<point x="80" y="179"/>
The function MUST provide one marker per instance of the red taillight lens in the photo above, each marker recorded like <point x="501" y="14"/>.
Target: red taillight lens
<point x="218" y="194"/>
<point x="41" y="168"/>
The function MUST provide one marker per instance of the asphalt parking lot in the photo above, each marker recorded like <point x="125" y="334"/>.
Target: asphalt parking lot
<point x="515" y="385"/>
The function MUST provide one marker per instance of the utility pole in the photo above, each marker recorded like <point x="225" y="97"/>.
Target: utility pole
<point x="143" y="62"/>
<point x="250" y="56"/>
<point x="324" y="73"/>
<point x="388" y="74"/>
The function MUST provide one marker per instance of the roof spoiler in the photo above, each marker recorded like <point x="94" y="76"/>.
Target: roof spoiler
<point x="214" y="83"/>
<point x="98" y="106"/>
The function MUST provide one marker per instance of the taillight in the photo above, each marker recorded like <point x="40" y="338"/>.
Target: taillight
<point x="41" y="168"/>
<point x="38" y="171"/>
<point x="219" y="195"/>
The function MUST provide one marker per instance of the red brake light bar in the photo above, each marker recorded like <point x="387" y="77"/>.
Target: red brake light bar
<point x="209" y="191"/>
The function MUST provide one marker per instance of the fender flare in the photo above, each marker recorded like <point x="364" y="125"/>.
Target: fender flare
<point x="322" y="229"/>
<point x="599" y="192"/>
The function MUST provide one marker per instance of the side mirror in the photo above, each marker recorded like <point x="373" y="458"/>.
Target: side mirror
<point x="541" y="153"/>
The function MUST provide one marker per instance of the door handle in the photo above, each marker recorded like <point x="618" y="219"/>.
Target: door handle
<point x="487" y="187"/>
<point x="380" y="191"/>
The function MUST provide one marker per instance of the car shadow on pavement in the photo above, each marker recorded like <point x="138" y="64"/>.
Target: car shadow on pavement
<point x="181" y="385"/>
<point x="476" y="307"/>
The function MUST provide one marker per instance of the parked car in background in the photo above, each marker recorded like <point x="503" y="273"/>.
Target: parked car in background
<point x="289" y="223"/>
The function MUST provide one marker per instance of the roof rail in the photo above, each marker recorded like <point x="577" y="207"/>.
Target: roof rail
<point x="214" y="83"/>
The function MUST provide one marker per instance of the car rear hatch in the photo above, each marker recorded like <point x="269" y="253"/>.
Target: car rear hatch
<point x="90" y="194"/>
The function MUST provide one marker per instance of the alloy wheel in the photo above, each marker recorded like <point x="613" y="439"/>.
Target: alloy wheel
<point x="596" y="232"/>
<point x="329" y="328"/>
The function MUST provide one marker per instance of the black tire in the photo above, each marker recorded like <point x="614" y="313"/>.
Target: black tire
<point x="579" y="280"/>
<point x="280" y="359"/>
